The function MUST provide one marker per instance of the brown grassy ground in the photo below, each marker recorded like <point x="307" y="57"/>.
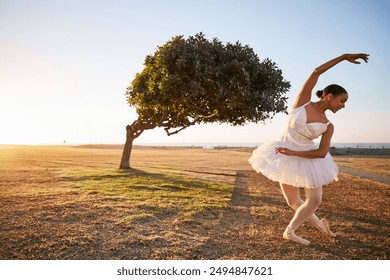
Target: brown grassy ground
<point x="48" y="213"/>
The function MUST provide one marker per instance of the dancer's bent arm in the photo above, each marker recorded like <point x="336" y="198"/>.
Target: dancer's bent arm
<point x="321" y="152"/>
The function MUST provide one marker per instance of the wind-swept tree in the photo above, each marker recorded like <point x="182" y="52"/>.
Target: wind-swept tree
<point x="195" y="80"/>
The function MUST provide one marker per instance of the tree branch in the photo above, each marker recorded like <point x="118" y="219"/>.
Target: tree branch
<point x="176" y="131"/>
<point x="138" y="126"/>
<point x="138" y="133"/>
<point x="182" y="128"/>
<point x="199" y="109"/>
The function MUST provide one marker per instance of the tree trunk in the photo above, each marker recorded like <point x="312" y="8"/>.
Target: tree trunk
<point x="133" y="131"/>
<point x="125" y="161"/>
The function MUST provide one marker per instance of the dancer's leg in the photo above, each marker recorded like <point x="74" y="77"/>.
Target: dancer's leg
<point x="306" y="209"/>
<point x="293" y="198"/>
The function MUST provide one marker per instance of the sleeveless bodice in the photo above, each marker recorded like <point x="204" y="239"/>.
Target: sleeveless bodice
<point x="299" y="133"/>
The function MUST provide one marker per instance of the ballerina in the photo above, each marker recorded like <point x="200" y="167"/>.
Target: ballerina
<point x="295" y="162"/>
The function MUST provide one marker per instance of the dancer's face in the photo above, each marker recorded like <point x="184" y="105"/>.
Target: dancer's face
<point x="337" y="102"/>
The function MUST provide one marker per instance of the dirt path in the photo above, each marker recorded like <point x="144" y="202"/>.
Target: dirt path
<point x="366" y="175"/>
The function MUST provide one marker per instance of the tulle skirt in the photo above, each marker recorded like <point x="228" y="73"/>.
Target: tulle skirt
<point x="293" y="170"/>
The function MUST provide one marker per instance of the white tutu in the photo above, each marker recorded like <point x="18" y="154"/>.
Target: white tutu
<point x="291" y="170"/>
<point x="294" y="170"/>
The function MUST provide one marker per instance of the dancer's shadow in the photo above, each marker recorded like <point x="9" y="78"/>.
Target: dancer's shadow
<point x="236" y="235"/>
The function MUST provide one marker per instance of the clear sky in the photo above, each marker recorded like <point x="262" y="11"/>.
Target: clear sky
<point x="65" y="64"/>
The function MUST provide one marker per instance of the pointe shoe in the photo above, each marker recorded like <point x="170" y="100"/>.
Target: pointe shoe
<point x="290" y="235"/>
<point x="328" y="232"/>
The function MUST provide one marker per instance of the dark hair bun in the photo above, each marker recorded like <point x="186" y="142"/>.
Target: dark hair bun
<point x="319" y="93"/>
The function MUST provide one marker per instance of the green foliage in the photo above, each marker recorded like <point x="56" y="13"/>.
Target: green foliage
<point x="195" y="80"/>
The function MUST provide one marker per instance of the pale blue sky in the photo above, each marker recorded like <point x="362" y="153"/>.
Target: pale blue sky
<point x="65" y="65"/>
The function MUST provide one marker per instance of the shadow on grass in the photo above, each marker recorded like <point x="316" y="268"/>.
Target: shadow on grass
<point x="236" y="236"/>
<point x="140" y="193"/>
<point x="167" y="181"/>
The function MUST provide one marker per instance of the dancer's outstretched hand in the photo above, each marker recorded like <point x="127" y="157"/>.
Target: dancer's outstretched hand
<point x="353" y="57"/>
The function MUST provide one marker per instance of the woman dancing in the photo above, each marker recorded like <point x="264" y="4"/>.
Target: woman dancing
<point x="294" y="161"/>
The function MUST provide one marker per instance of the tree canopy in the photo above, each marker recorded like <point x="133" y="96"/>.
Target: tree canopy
<point x="196" y="80"/>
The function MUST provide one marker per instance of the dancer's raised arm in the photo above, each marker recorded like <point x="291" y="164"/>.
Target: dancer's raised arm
<point x="304" y="95"/>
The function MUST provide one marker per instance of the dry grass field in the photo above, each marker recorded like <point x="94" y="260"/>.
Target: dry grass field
<point x="176" y="203"/>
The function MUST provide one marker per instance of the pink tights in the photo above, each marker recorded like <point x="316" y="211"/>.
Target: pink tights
<point x="304" y="210"/>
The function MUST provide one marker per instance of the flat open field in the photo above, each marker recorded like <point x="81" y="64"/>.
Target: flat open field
<point x="74" y="203"/>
